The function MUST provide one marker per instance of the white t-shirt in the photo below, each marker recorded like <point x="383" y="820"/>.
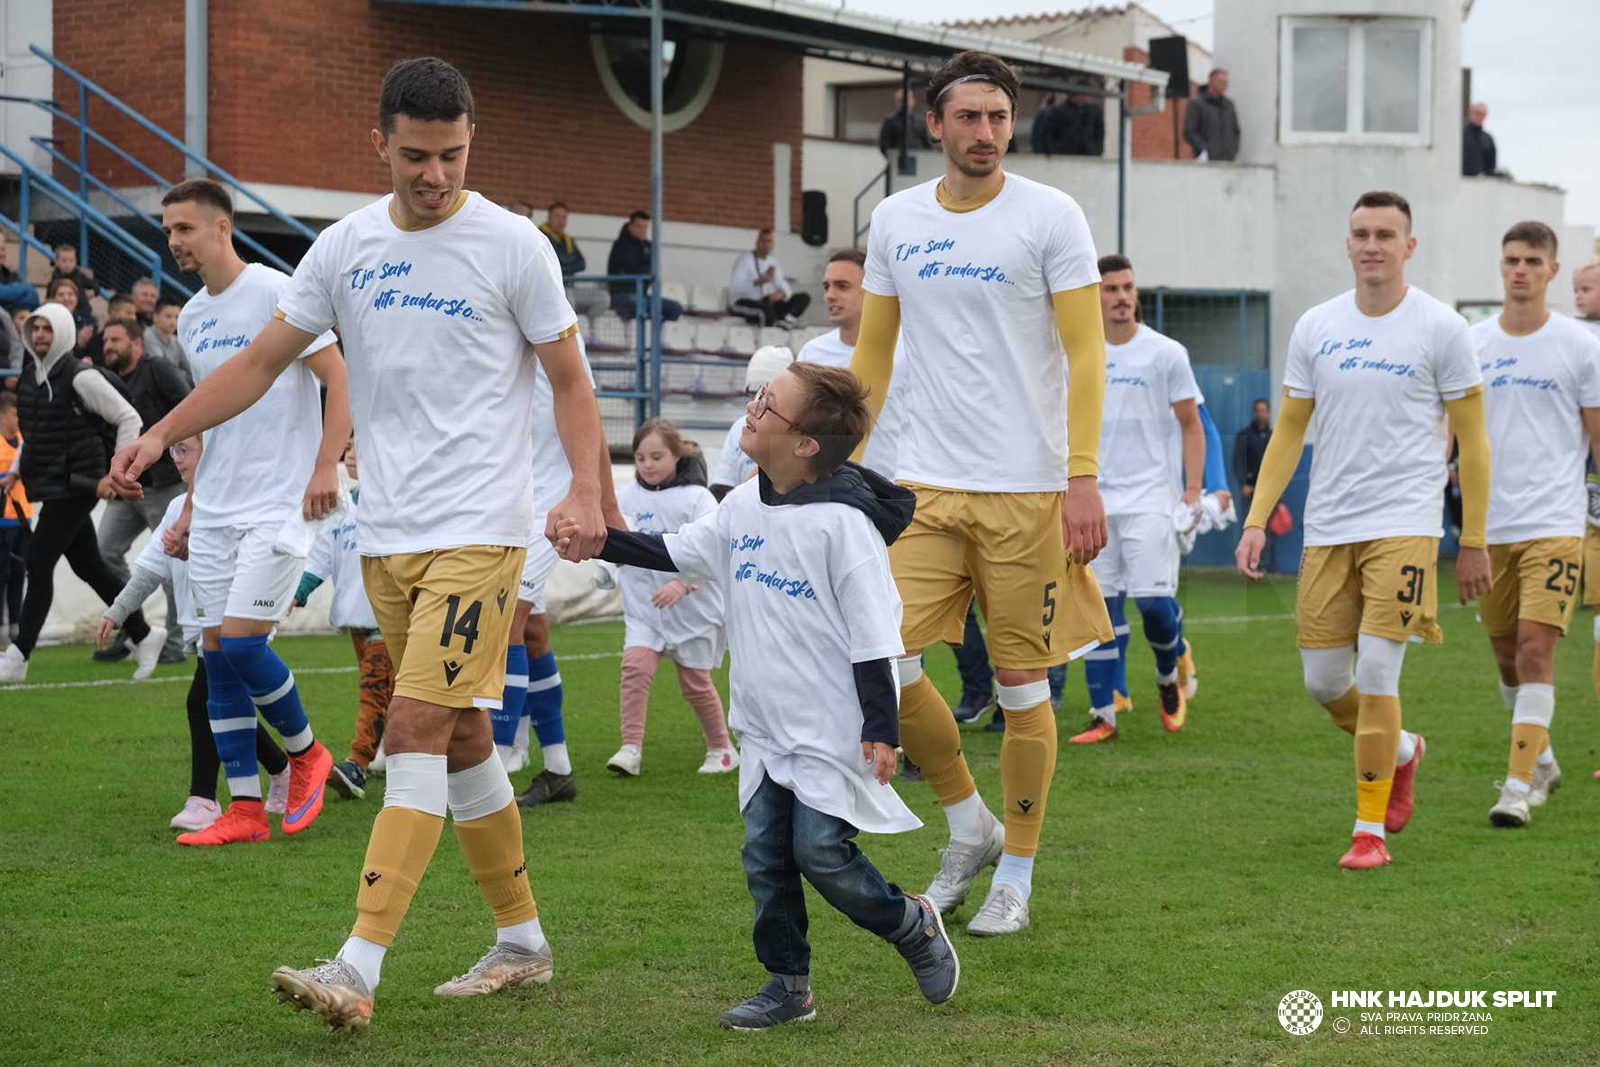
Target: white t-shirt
<point x="747" y="267"/>
<point x="1141" y="443"/>
<point x="698" y="615"/>
<point x="336" y="557"/>
<point x="436" y="324"/>
<point x="154" y="559"/>
<point x="552" y="474"/>
<point x="1379" y="384"/>
<point x="255" y="466"/>
<point x="733" y="466"/>
<point x="828" y="350"/>
<point x="1592" y="325"/>
<point x="808" y="594"/>
<point x="979" y="350"/>
<point x="1536" y="387"/>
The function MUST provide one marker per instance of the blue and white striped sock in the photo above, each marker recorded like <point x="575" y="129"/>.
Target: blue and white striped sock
<point x="271" y="686"/>
<point x="233" y="726"/>
<point x="544" y="709"/>
<point x="505" y="720"/>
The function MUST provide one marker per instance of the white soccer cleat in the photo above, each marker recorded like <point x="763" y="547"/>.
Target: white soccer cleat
<point x="1546" y="780"/>
<point x="147" y="653"/>
<point x="278" y="792"/>
<point x="379" y="761"/>
<point x="720" y="761"/>
<point x="960" y="864"/>
<point x="503" y="967"/>
<point x="1004" y="911"/>
<point x="626" y="761"/>
<point x="1511" y="811"/>
<point x="13" y="665"/>
<point x="197" y="814"/>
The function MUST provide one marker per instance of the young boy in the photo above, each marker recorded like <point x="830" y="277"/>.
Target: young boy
<point x="814" y="624"/>
<point x="334" y="555"/>
<point x="15" y="513"/>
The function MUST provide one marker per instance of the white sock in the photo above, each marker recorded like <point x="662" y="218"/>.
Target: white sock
<point x="1547" y="758"/>
<point x="1016" y="872"/>
<point x="300" y="741"/>
<point x="366" y="957"/>
<point x="506" y="753"/>
<point x="1508" y="694"/>
<point x="1408" y="748"/>
<point x="1517" y="785"/>
<point x="556" y="759"/>
<point x="528" y="936"/>
<point x="966" y="820"/>
<point x="1373" y="828"/>
<point x="1109" y="714"/>
<point x="1167" y="679"/>
<point x="522" y="732"/>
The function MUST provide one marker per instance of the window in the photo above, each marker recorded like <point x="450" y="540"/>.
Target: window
<point x="689" y="70"/>
<point x="1356" y="80"/>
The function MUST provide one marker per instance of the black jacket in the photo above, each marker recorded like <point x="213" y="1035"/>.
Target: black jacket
<point x="892" y="133"/>
<point x="66" y="452"/>
<point x="154" y="388"/>
<point x="888" y="505"/>
<point x="567" y="253"/>
<point x="1477" y="152"/>
<point x="629" y="255"/>
<point x="1249" y="446"/>
<point x="1212" y="126"/>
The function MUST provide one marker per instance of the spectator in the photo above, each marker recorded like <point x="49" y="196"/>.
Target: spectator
<point x="520" y="207"/>
<point x="69" y="294"/>
<point x="630" y="254"/>
<point x="1045" y="136"/>
<point x="66" y="266"/>
<point x="1477" y="147"/>
<point x="154" y="387"/>
<point x="757" y="290"/>
<point x="1080" y="126"/>
<point x="161" y="336"/>
<point x="1249" y="446"/>
<point x="120" y="306"/>
<point x="1212" y="125"/>
<point x="892" y="134"/>
<point x="570" y="257"/>
<point x="145" y="294"/>
<point x="19" y="345"/>
<point x="15" y="511"/>
<point x="15" y="293"/>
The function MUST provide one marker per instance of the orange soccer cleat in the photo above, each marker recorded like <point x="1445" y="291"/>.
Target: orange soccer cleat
<point x="1366" y="852"/>
<point x="245" y="822"/>
<point x="308" y="774"/>
<point x="1098" y="730"/>
<point x="1174" y="708"/>
<point x="1402" y="797"/>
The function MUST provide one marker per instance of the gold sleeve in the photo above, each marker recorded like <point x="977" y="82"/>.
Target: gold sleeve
<point x="1283" y="456"/>
<point x="873" y="361"/>
<point x="1083" y="336"/>
<point x="1467" y="420"/>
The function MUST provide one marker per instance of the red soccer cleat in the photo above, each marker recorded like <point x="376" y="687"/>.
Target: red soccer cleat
<point x="308" y="773"/>
<point x="1366" y="852"/>
<point x="1402" y="797"/>
<point x="245" y="822"/>
<point x="1099" y="730"/>
<point x="1174" y="707"/>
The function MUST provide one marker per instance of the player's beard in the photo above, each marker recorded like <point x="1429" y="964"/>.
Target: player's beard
<point x="973" y="168"/>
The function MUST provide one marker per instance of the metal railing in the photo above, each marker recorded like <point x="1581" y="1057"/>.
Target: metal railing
<point x="627" y="372"/>
<point x="885" y="176"/>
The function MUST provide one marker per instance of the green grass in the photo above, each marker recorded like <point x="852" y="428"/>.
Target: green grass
<point x="1186" y="884"/>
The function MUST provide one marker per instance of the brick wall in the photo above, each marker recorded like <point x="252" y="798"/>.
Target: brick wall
<point x="294" y="87"/>
<point x="1152" y="134"/>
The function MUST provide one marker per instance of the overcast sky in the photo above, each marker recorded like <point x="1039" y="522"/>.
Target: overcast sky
<point x="1535" y="62"/>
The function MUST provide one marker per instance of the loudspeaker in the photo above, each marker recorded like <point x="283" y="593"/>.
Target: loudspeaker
<point x="1171" y="54"/>
<point x="814" y="217"/>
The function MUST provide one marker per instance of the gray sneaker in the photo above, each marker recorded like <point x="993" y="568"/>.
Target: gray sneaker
<point x="1003" y="912"/>
<point x="774" y="1005"/>
<point x="503" y="967"/>
<point x="1511" y="810"/>
<point x="1546" y="780"/>
<point x="334" y="990"/>
<point x="927" y="948"/>
<point x="960" y="864"/>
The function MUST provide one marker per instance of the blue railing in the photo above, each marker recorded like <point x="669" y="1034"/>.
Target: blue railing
<point x="645" y="393"/>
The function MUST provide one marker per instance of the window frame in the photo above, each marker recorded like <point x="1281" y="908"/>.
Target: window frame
<point x="1355" y="84"/>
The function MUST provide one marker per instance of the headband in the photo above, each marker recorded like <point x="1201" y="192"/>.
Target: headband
<point x="974" y="78"/>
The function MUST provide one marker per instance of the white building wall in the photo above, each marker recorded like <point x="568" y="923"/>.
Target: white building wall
<point x="25" y="22"/>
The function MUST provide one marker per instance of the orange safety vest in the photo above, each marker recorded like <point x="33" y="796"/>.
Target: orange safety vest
<point x="15" y="505"/>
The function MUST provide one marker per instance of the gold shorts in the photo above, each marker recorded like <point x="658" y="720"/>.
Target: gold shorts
<point x="1383" y="588"/>
<point x="1005" y="549"/>
<point x="1535" y="580"/>
<point x="1591" y="566"/>
<point x="446" y="616"/>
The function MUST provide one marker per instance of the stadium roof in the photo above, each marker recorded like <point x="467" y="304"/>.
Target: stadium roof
<point x="839" y="33"/>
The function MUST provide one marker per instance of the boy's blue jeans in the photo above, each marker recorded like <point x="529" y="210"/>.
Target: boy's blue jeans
<point x="783" y="839"/>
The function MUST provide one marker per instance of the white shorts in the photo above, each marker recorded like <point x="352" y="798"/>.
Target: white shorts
<point x="540" y="564"/>
<point x="1141" y="556"/>
<point x="240" y="572"/>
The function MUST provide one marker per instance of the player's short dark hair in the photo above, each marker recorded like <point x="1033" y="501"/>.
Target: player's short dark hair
<point x="980" y="65"/>
<point x="1260" y="400"/>
<point x="835" y="415"/>
<point x="638" y="215"/>
<point x="1113" y="263"/>
<point x="168" y="302"/>
<point x="1532" y="233"/>
<point x="129" y="325"/>
<point x="1383" y="198"/>
<point x="426" y="89"/>
<point x="66" y="246"/>
<point x="562" y="204"/>
<point x="850" y="255"/>
<point x="200" y="191"/>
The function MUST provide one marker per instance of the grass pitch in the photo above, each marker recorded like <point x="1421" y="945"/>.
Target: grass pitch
<point x="1187" y="882"/>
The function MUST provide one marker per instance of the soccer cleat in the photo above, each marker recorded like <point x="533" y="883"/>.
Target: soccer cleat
<point x="118" y="650"/>
<point x="720" y="761"/>
<point x="1121" y="703"/>
<point x="13" y="665"/>
<point x="1546" y="780"/>
<point x="1097" y="731"/>
<point x="333" y="990"/>
<point x="972" y="707"/>
<point x="1366" y="852"/>
<point x="1511" y="810"/>
<point x="308" y="774"/>
<point x="909" y="771"/>
<point x="243" y="823"/>
<point x="959" y="864"/>
<point x="626" y="761"/>
<point x="197" y="814"/>
<point x="1402" y="797"/>
<point x="1188" y="677"/>
<point x="171" y="656"/>
<point x="148" y="651"/>
<point x="502" y="967"/>
<point x="278" y="792"/>
<point x="927" y="948"/>
<point x="774" y="1005"/>
<point x="997" y="724"/>
<point x="1174" y="708"/>
<point x="549" y="787"/>
<point x="1004" y="911"/>
<point x="348" y="779"/>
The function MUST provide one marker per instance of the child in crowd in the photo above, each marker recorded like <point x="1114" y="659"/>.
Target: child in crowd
<point x="15" y="528"/>
<point x="814" y="624"/>
<point x="151" y="570"/>
<point x="664" y="616"/>
<point x="334" y="556"/>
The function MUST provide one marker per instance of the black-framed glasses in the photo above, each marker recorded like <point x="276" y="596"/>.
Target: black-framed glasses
<point x="764" y="405"/>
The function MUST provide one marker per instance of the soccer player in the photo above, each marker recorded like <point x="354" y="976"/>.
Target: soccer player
<point x="1151" y="440"/>
<point x="267" y="473"/>
<point x="987" y="282"/>
<point x="428" y="279"/>
<point x="1375" y="372"/>
<point x="1542" y="379"/>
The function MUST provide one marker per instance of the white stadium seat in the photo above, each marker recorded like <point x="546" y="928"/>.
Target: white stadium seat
<point x="678" y="337"/>
<point x="708" y="300"/>
<point x="775" y="335"/>
<point x="709" y="336"/>
<point x="675" y="291"/>
<point x="741" y="341"/>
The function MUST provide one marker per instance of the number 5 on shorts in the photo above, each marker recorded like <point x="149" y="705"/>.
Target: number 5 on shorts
<point x="1049" y="604"/>
<point x="466" y="627"/>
